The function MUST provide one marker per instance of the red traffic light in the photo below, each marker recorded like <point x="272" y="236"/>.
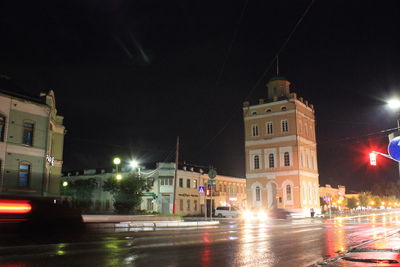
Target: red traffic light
<point x="372" y="158"/>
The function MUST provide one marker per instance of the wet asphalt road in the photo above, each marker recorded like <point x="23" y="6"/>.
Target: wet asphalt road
<point x="233" y="243"/>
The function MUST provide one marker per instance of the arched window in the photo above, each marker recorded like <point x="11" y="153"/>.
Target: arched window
<point x="286" y="159"/>
<point x="24" y="174"/>
<point x="288" y="192"/>
<point x="254" y="113"/>
<point x="271" y="160"/>
<point x="283" y="108"/>
<point x="258" y="194"/>
<point x="268" y="110"/>
<point x="256" y="162"/>
<point x="27" y="134"/>
<point x="2" y="127"/>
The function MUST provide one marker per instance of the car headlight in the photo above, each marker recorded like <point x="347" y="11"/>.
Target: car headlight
<point x="248" y="215"/>
<point x="261" y="214"/>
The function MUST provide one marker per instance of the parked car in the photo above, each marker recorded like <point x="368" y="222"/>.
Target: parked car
<point x="226" y="212"/>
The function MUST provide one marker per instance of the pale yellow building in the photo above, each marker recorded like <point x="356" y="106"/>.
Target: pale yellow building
<point x="280" y="147"/>
<point x="228" y="191"/>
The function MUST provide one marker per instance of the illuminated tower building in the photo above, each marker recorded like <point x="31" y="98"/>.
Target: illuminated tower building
<point x="281" y="156"/>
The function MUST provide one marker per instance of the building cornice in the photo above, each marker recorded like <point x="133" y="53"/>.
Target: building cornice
<point x="273" y="140"/>
<point x="254" y="117"/>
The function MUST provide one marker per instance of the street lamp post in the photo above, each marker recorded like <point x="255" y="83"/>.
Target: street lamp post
<point x="117" y="161"/>
<point x="394" y="104"/>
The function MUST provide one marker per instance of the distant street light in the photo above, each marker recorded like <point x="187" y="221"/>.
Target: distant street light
<point x="135" y="164"/>
<point x="119" y="177"/>
<point x="65" y="183"/>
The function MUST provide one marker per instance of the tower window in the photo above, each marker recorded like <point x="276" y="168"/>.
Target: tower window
<point x="283" y="108"/>
<point x="256" y="162"/>
<point x="254" y="130"/>
<point x="268" y="110"/>
<point x="269" y="128"/>
<point x="286" y="159"/>
<point x="288" y="192"/>
<point x="27" y="135"/>
<point x="284" y="125"/>
<point x="254" y="113"/>
<point x="258" y="194"/>
<point x="271" y="160"/>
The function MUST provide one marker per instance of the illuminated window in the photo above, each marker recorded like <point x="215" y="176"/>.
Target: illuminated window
<point x="27" y="135"/>
<point x="286" y="159"/>
<point x="288" y="192"/>
<point x="258" y="193"/>
<point x="254" y="130"/>
<point x="24" y="175"/>
<point x="194" y="183"/>
<point x="284" y="126"/>
<point x="271" y="160"/>
<point x="269" y="128"/>
<point x="2" y="127"/>
<point x="256" y="162"/>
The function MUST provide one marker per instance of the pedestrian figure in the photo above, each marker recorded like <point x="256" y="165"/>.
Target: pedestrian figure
<point x="312" y="212"/>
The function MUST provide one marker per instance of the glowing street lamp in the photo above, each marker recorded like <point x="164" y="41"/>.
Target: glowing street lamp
<point x="65" y="184"/>
<point x="118" y="177"/>
<point x="135" y="164"/>
<point x="116" y="161"/>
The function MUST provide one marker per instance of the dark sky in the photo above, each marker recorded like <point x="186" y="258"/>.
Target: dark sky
<point x="130" y="76"/>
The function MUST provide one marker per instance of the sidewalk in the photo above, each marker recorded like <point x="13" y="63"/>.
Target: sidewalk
<point x="383" y="251"/>
<point x="140" y="221"/>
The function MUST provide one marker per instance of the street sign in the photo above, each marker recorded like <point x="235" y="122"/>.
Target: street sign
<point x="394" y="148"/>
<point x="147" y="194"/>
<point x="212" y="173"/>
<point x="201" y="189"/>
<point x="212" y="182"/>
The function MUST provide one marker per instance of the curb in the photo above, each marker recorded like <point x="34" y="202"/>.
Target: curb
<point x="152" y="224"/>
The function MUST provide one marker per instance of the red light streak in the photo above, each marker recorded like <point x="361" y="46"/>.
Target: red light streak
<point x="14" y="206"/>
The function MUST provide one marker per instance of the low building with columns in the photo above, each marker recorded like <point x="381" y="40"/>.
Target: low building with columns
<point x="280" y="147"/>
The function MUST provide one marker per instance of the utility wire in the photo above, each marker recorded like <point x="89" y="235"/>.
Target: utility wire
<point x="232" y="41"/>
<point x="235" y="113"/>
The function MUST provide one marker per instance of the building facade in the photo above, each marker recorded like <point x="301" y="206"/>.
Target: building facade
<point x="280" y="147"/>
<point x="229" y="191"/>
<point x="31" y="144"/>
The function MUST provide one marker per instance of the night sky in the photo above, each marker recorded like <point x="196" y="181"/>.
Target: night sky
<point x="130" y="76"/>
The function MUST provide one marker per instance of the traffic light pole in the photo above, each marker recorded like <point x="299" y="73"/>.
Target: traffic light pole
<point x="211" y="208"/>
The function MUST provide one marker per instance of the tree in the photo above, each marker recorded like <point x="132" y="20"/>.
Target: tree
<point x="364" y="198"/>
<point x="351" y="203"/>
<point x="81" y="191"/>
<point x="127" y="192"/>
